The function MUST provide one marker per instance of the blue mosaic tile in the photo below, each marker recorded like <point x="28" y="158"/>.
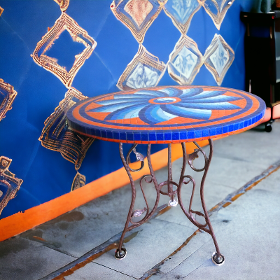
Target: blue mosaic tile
<point x="137" y="137"/>
<point x="103" y="133"/>
<point x="110" y="135"/>
<point x="167" y="136"/>
<point x="144" y="136"/>
<point x="116" y="135"/>
<point x="191" y="134"/>
<point x="197" y="133"/>
<point x="219" y="130"/>
<point x="249" y="122"/>
<point x="225" y="129"/>
<point x="175" y="135"/>
<point x="183" y="135"/>
<point x="152" y="137"/>
<point x="205" y="132"/>
<point x="129" y="136"/>
<point x="212" y="131"/>
<point x="160" y="137"/>
<point x="122" y="136"/>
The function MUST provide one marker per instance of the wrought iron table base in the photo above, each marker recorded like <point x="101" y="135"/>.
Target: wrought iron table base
<point x="217" y="257"/>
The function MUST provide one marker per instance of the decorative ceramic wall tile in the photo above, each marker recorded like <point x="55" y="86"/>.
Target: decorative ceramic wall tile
<point x="78" y="182"/>
<point x="218" y="58"/>
<point x="9" y="184"/>
<point x="181" y="12"/>
<point x="7" y="96"/>
<point x="78" y="34"/>
<point x="57" y="137"/>
<point x="145" y="70"/>
<point x="63" y="4"/>
<point x="1" y="11"/>
<point x="137" y="15"/>
<point x="185" y="61"/>
<point x="217" y="10"/>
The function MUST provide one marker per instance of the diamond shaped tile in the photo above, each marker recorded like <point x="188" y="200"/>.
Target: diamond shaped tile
<point x="185" y="61"/>
<point x="57" y="137"/>
<point x="9" y="184"/>
<point x="181" y="12"/>
<point x="7" y="96"/>
<point x="63" y="4"/>
<point x="78" y="34"/>
<point x="145" y="70"/>
<point x="78" y="182"/>
<point x="137" y="15"/>
<point x="217" y="10"/>
<point x="218" y="58"/>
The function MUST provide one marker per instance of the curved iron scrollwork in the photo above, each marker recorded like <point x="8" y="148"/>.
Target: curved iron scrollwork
<point x="195" y="155"/>
<point x="150" y="178"/>
<point x="173" y="191"/>
<point x="139" y="157"/>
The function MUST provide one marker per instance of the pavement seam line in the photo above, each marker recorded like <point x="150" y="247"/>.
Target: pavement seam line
<point x="88" y="257"/>
<point x="114" y="269"/>
<point x="224" y="203"/>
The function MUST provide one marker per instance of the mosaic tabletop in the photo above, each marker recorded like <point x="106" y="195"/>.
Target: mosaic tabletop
<point x="166" y="114"/>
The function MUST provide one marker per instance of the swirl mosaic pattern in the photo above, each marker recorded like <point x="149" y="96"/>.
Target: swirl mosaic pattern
<point x="166" y="114"/>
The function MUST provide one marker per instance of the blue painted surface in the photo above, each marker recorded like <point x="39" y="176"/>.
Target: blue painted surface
<point x="46" y="175"/>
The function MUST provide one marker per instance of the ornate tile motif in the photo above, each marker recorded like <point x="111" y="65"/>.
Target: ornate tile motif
<point x="1" y="11"/>
<point x="185" y="61"/>
<point x="7" y="96"/>
<point x="78" y="182"/>
<point x="64" y="22"/>
<point x="218" y="58"/>
<point x="137" y="15"/>
<point x="57" y="137"/>
<point x="9" y="184"/>
<point x="181" y="12"/>
<point x="217" y="10"/>
<point x="154" y="107"/>
<point x="164" y="115"/>
<point x="63" y="4"/>
<point x="145" y="70"/>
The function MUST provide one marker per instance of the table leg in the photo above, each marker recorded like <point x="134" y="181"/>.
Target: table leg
<point x="217" y="257"/>
<point x="130" y="224"/>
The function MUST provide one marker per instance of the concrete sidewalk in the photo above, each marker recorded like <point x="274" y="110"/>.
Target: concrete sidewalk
<point x="243" y="183"/>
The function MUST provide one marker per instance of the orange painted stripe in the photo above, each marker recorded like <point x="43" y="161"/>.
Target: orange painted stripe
<point x="20" y="222"/>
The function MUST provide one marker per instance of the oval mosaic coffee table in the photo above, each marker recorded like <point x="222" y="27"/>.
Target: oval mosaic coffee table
<point x="174" y="114"/>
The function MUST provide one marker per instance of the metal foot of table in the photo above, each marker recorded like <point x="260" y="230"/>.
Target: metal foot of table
<point x="173" y="193"/>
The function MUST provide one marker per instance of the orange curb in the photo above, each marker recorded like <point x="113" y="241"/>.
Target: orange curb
<point x="20" y="222"/>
